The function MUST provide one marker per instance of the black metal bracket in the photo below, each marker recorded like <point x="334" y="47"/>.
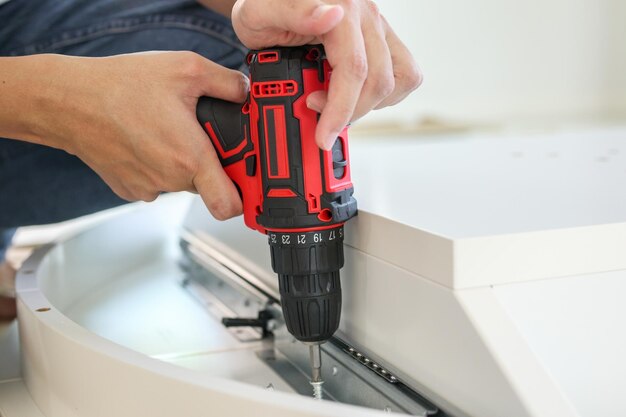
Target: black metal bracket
<point x="262" y="321"/>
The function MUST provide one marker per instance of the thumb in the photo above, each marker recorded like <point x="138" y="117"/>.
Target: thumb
<point x="214" y="80"/>
<point x="303" y="17"/>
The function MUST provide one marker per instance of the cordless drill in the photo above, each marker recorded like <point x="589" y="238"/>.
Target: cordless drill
<point x="296" y="193"/>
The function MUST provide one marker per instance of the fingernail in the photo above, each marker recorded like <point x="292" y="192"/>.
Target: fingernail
<point x="330" y="141"/>
<point x="313" y="104"/>
<point x="320" y="11"/>
<point x="245" y="84"/>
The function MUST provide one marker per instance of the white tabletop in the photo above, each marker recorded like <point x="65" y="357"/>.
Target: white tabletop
<point x="489" y="184"/>
<point x="482" y="209"/>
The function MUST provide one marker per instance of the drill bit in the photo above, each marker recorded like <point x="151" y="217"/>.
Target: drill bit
<point x="315" y="356"/>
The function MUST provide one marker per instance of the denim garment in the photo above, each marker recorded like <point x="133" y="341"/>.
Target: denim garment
<point x="40" y="185"/>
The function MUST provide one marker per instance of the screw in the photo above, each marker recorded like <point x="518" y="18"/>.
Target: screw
<point x="317" y="390"/>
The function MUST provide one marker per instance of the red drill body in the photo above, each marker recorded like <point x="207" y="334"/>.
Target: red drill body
<point x="297" y="194"/>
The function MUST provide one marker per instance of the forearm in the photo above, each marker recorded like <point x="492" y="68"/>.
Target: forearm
<point x="26" y="92"/>
<point x="223" y="7"/>
<point x="48" y="99"/>
<point x="131" y="118"/>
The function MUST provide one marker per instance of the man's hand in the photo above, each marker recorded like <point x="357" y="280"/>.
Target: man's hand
<point x="132" y="119"/>
<point x="8" y="309"/>
<point x="372" y="68"/>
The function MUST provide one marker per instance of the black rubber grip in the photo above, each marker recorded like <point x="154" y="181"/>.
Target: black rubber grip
<point x="227" y="122"/>
<point x="311" y="305"/>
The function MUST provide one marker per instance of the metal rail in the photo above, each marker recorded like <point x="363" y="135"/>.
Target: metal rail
<point x="351" y="376"/>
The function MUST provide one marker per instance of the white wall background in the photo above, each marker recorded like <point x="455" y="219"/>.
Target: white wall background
<point x="492" y="61"/>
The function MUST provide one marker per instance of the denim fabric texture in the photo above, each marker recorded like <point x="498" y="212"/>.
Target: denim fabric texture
<point x="40" y="185"/>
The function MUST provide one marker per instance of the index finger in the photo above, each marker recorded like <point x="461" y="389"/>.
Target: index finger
<point x="345" y="51"/>
<point x="213" y="184"/>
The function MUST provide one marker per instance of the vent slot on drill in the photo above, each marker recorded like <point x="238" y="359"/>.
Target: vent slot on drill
<point x="269" y="56"/>
<point x="274" y="88"/>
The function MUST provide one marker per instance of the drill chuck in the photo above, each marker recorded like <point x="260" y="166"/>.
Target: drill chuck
<point x="311" y="305"/>
<point x="308" y="267"/>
